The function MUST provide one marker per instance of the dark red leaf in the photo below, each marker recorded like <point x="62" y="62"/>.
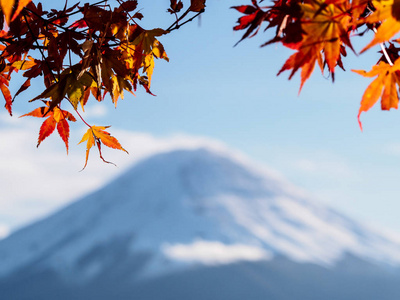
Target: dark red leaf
<point x="245" y="9"/>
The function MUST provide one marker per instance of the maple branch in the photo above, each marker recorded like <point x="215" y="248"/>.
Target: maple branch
<point x="81" y="9"/>
<point x="46" y="21"/>
<point x="41" y="51"/>
<point x="177" y="26"/>
<point x="176" y="17"/>
<point x="177" y="21"/>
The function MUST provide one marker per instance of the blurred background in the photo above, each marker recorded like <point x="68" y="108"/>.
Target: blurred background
<point x="236" y="186"/>
<point x="213" y="90"/>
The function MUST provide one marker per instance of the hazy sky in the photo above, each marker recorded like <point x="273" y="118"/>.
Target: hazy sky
<point x="213" y="90"/>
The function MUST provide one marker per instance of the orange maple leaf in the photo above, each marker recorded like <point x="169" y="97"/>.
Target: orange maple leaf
<point x="55" y="117"/>
<point x="388" y="78"/>
<point x="47" y="129"/>
<point x="387" y="12"/>
<point x="20" y="7"/>
<point x="325" y="29"/>
<point x="97" y="135"/>
<point x="4" y="82"/>
<point x="7" y="7"/>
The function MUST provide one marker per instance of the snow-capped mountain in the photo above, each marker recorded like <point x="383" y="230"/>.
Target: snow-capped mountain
<point x="183" y="212"/>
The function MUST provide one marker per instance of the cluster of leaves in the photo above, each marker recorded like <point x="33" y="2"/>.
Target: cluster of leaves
<point x="93" y="50"/>
<point x="321" y="31"/>
<point x="81" y="52"/>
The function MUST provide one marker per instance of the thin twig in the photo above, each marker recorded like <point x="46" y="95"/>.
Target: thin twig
<point x="177" y="21"/>
<point x="41" y="51"/>
<point x="177" y="26"/>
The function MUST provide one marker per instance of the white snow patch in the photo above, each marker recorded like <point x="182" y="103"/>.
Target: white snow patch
<point x="214" y="252"/>
<point x="4" y="231"/>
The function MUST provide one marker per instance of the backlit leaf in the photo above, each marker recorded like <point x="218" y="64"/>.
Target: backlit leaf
<point x="7" y="8"/>
<point x="46" y="129"/>
<point x="90" y="138"/>
<point x="106" y="138"/>
<point x="97" y="135"/>
<point x="21" y="5"/>
<point x="387" y="13"/>
<point x="6" y="93"/>
<point x="55" y="117"/>
<point x="24" y="64"/>
<point x="63" y="131"/>
<point x="326" y="30"/>
<point x="385" y="86"/>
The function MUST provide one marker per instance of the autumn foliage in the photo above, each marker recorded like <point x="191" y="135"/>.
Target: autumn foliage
<point x="81" y="52"/>
<point x="98" y="51"/>
<point x="321" y="32"/>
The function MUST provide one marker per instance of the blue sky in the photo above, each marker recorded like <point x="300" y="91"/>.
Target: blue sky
<point x="214" y="91"/>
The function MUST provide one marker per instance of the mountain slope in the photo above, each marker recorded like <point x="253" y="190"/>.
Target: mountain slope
<point x="188" y="212"/>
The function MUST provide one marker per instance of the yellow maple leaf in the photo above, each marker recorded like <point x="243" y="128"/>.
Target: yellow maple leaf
<point x="97" y="135"/>
<point x="24" y="64"/>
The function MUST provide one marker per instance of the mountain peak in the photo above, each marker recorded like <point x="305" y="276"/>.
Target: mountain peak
<point x="173" y="205"/>
<point x="199" y="173"/>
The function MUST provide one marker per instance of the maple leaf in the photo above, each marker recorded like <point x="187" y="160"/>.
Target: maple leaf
<point x="252" y="20"/>
<point x="127" y="6"/>
<point x="63" y="131"/>
<point x="70" y="85"/>
<point x="97" y="135"/>
<point x="115" y="56"/>
<point x="388" y="14"/>
<point x="387" y="78"/>
<point x="284" y="15"/>
<point x="140" y="53"/>
<point x="197" y="5"/>
<point x="55" y="117"/>
<point x="23" y="87"/>
<point x="20" y="7"/>
<point x="46" y="130"/>
<point x="76" y="88"/>
<point x="4" y="82"/>
<point x="304" y="59"/>
<point x="358" y="7"/>
<point x="56" y="91"/>
<point x="326" y="30"/>
<point x="8" y="6"/>
<point x="175" y="7"/>
<point x="24" y="64"/>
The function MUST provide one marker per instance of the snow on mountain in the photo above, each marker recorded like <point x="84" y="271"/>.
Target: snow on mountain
<point x="188" y="207"/>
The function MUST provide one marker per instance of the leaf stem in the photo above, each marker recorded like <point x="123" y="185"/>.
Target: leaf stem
<point x="82" y="118"/>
